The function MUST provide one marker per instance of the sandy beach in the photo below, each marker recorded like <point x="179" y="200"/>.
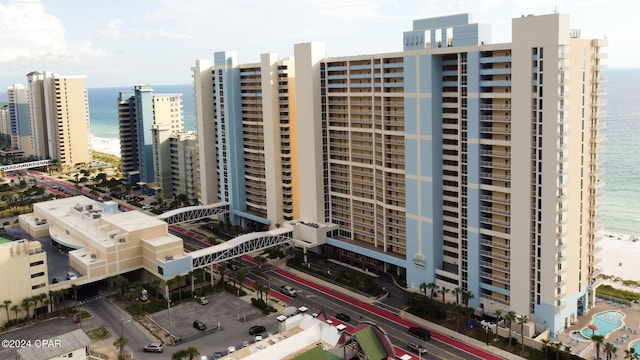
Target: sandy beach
<point x="105" y="145"/>
<point x="620" y="255"/>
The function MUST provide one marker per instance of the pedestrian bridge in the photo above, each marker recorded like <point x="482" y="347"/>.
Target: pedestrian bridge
<point x="192" y="213"/>
<point x="241" y="245"/>
<point x="27" y="165"/>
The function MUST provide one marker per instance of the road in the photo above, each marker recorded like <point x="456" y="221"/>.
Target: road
<point x="319" y="300"/>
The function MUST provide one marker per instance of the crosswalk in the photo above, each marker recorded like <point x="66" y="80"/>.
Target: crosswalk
<point x="93" y="298"/>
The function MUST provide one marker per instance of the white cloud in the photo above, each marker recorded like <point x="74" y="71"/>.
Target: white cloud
<point x="28" y="32"/>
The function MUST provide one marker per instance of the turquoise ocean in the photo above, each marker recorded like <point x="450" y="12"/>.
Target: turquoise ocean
<point x="621" y="197"/>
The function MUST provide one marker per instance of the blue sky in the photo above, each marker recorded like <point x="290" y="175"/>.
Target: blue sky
<point x="124" y="43"/>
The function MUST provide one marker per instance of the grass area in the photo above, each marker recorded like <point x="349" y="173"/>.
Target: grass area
<point x="99" y="334"/>
<point x="104" y="157"/>
<point x="85" y="314"/>
<point x="609" y="291"/>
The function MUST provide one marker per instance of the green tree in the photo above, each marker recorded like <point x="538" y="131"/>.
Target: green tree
<point x="457" y="291"/>
<point x="179" y="355"/>
<point x="630" y="354"/>
<point x="423" y="287"/>
<point x="432" y="286"/>
<point x="6" y="305"/>
<point x="260" y="260"/>
<point x="597" y="340"/>
<point x="15" y="309"/>
<point x="444" y="291"/>
<point x="545" y="347"/>
<point x="511" y="316"/>
<point x="522" y="319"/>
<point x="191" y="352"/>
<point x="610" y="350"/>
<point x="26" y="305"/>
<point x="120" y="343"/>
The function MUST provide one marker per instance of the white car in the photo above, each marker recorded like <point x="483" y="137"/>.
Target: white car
<point x="202" y="300"/>
<point x="231" y="349"/>
<point x="258" y="338"/>
<point x="288" y="290"/>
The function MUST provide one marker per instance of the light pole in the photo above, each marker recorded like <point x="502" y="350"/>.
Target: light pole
<point x="268" y="288"/>
<point x="169" y="313"/>
<point x="122" y="321"/>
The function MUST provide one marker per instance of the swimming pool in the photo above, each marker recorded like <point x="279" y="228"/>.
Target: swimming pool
<point x="606" y="322"/>
<point x="636" y="346"/>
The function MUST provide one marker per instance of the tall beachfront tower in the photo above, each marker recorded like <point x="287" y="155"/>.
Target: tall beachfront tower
<point x="247" y="147"/>
<point x="59" y="112"/>
<point x="456" y="162"/>
<point x="146" y="120"/>
<point x="19" y="120"/>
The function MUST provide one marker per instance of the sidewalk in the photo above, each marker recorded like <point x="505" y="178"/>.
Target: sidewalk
<point x="393" y="289"/>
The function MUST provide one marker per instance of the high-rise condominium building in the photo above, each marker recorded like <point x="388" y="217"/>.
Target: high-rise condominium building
<point x="184" y="165"/>
<point x="59" y="112"/>
<point x="471" y="165"/>
<point x="19" y="121"/>
<point x="146" y="120"/>
<point x="246" y="136"/>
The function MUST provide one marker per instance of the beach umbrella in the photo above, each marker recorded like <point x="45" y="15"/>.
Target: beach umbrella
<point x="593" y="328"/>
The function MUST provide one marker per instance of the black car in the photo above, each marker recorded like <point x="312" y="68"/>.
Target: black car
<point x="199" y="325"/>
<point x="257" y="329"/>
<point x="343" y="317"/>
<point x="416" y="348"/>
<point x="420" y="333"/>
<point x="232" y="266"/>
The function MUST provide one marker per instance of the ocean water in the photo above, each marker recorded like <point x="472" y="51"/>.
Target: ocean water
<point x="103" y="108"/>
<point x="621" y="197"/>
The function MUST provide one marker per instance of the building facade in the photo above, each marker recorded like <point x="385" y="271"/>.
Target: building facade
<point x="19" y="120"/>
<point x="470" y="165"/>
<point x="184" y="164"/>
<point x="27" y="264"/>
<point x="146" y="121"/>
<point x="59" y="113"/>
<point x="247" y="150"/>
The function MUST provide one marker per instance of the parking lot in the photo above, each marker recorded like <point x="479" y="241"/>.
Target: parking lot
<point x="223" y="309"/>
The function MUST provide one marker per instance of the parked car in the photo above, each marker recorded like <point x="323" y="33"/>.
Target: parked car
<point x="256" y="329"/>
<point x="245" y="344"/>
<point x="288" y="290"/>
<point x="420" y="333"/>
<point x="416" y="348"/>
<point x="343" y="317"/>
<point x="231" y="349"/>
<point x="258" y="338"/>
<point x="199" y="325"/>
<point x="153" y="347"/>
<point x="202" y="300"/>
<point x="217" y="355"/>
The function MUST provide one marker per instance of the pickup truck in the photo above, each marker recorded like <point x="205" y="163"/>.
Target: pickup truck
<point x="288" y="290"/>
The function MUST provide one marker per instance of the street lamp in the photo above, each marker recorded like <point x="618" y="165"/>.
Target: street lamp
<point x="122" y="321"/>
<point x="268" y="288"/>
<point x="169" y="313"/>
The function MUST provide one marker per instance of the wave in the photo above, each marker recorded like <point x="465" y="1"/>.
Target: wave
<point x="109" y="146"/>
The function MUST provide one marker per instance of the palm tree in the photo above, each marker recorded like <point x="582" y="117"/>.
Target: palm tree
<point x="457" y="291"/>
<point x="522" y="319"/>
<point x="498" y="316"/>
<point x="423" y="287"/>
<point x="156" y="285"/>
<point x="444" y="291"/>
<point x="260" y="260"/>
<point x="610" y="350"/>
<point x="15" y="309"/>
<point x="432" y="286"/>
<point x="598" y="340"/>
<point x="179" y="355"/>
<point x="545" y="347"/>
<point x="259" y="289"/>
<point x="6" y="305"/>
<point x="240" y="277"/>
<point x="511" y="316"/>
<point x="630" y="354"/>
<point x="120" y="343"/>
<point x="192" y="352"/>
<point x="26" y="305"/>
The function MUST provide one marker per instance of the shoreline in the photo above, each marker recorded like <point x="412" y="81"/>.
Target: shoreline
<point x="619" y="256"/>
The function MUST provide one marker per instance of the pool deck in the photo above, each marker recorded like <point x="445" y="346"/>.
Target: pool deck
<point x="621" y="337"/>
